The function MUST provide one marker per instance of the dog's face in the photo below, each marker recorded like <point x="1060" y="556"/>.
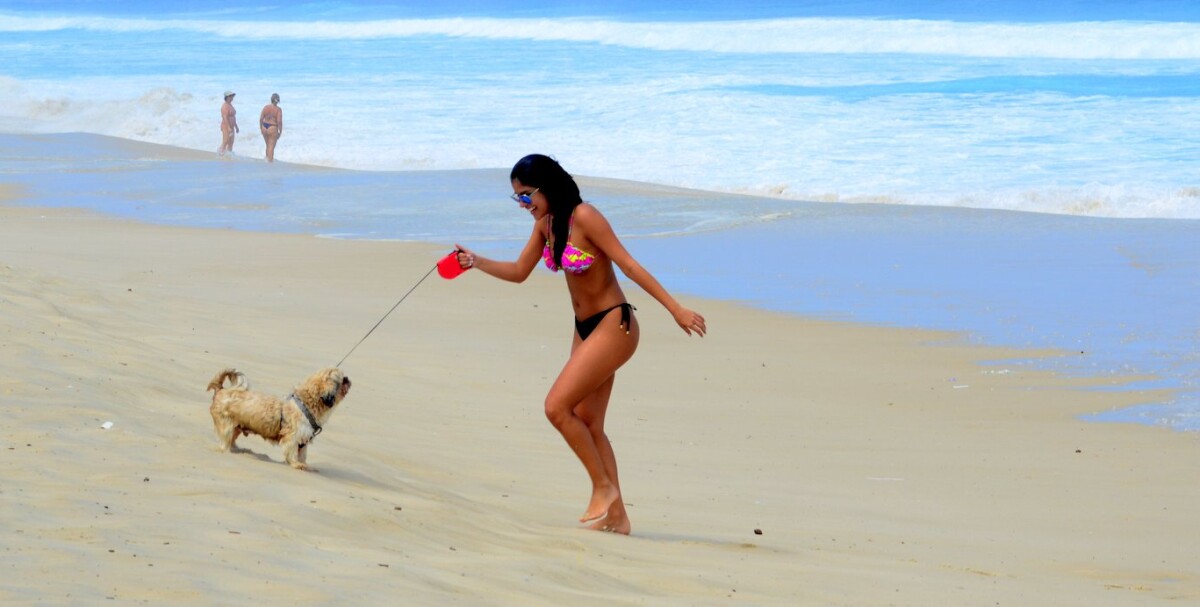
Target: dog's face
<point x="341" y="389"/>
<point x="329" y="386"/>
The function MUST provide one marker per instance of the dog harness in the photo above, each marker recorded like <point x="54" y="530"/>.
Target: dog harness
<point x="311" y="420"/>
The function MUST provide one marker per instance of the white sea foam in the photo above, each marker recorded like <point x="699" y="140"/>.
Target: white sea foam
<point x="1097" y="136"/>
<point x="1119" y="201"/>
<point x="1080" y="40"/>
<point x="771" y="155"/>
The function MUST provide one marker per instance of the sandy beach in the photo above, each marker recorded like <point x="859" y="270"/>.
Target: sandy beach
<point x="778" y="461"/>
<point x="946" y="252"/>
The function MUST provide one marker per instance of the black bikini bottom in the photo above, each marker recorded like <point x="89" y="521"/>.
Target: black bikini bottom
<point x="586" y="326"/>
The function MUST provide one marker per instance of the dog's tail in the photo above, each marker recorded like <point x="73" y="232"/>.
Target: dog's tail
<point x="237" y="380"/>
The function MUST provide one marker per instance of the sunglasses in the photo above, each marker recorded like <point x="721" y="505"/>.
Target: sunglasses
<point x="525" y="199"/>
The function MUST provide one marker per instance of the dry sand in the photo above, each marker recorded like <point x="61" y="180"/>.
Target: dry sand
<point x="881" y="466"/>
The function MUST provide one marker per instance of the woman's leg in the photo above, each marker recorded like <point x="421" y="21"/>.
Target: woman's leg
<point x="592" y="411"/>
<point x="227" y="136"/>
<point x="272" y="136"/>
<point x="590" y="367"/>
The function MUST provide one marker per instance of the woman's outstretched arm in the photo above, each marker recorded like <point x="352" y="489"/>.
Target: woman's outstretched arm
<point x="604" y="238"/>
<point x="512" y="271"/>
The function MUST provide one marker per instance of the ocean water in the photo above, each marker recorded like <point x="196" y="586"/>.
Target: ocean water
<point x="876" y="149"/>
<point x="1080" y="109"/>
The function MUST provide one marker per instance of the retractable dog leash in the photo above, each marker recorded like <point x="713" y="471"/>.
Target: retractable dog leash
<point x="447" y="267"/>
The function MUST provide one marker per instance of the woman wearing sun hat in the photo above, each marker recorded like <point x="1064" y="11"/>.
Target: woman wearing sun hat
<point x="229" y="127"/>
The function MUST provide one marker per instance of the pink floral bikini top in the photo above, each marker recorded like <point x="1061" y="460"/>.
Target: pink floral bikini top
<point x="574" y="260"/>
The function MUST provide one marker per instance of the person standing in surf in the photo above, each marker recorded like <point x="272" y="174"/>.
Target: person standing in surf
<point x="229" y="126"/>
<point x="572" y="235"/>
<point x="270" y="122"/>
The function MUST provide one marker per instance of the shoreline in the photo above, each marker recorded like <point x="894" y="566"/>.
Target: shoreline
<point x="617" y="186"/>
<point x="872" y="264"/>
<point x="870" y="259"/>
<point x="872" y="476"/>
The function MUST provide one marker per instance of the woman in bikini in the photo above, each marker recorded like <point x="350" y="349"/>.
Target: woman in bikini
<point x="573" y="236"/>
<point x="270" y="121"/>
<point x="229" y="126"/>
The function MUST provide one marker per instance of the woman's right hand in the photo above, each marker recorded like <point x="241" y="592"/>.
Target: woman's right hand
<point x="466" y="257"/>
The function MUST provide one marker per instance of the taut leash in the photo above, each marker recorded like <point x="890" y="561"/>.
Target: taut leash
<point x="414" y="288"/>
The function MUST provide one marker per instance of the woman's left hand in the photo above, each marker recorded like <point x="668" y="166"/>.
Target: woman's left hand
<point x="691" y="322"/>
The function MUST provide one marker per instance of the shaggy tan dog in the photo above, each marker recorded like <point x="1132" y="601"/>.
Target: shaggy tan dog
<point x="292" y="422"/>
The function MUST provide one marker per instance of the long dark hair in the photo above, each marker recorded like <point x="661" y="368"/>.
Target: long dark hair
<point x="559" y="188"/>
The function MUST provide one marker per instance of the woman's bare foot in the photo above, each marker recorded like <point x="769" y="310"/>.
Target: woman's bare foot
<point x="613" y="523"/>
<point x="601" y="500"/>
